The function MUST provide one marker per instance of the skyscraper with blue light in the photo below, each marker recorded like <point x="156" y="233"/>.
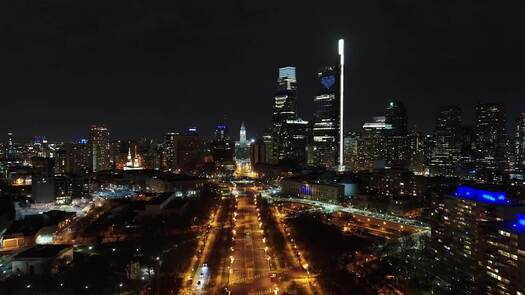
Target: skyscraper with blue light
<point x="325" y="129"/>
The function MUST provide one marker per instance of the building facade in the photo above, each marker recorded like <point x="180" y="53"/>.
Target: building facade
<point x="325" y="130"/>
<point x="99" y="149"/>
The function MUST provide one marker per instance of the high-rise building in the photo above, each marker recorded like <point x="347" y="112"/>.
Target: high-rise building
<point x="371" y="144"/>
<point x="99" y="149"/>
<point x="326" y="119"/>
<point x="468" y="152"/>
<point x="152" y="153"/>
<point x="351" y="144"/>
<point x="459" y="243"/>
<point x="77" y="157"/>
<point x="258" y="152"/>
<point x="284" y="108"/>
<point x="294" y="140"/>
<point x="503" y="245"/>
<point x="490" y="142"/>
<point x="268" y="143"/>
<point x="10" y="149"/>
<point x="184" y="151"/>
<point x="397" y="150"/>
<point x="222" y="147"/>
<point x="520" y="143"/>
<point x="447" y="142"/>
<point x="396" y="117"/>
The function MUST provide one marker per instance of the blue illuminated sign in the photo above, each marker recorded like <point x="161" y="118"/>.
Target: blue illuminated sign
<point x="328" y="81"/>
<point x="480" y="195"/>
<point x="83" y="141"/>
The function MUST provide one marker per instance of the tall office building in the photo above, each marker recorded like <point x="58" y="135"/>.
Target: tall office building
<point x="490" y="142"/>
<point x="351" y="145"/>
<point x="447" y="142"/>
<point x="371" y="144"/>
<point x="77" y="157"/>
<point x="294" y="140"/>
<point x="222" y="147"/>
<point x="397" y="152"/>
<point x="99" y="149"/>
<point x="268" y="143"/>
<point x="396" y="117"/>
<point x="284" y="108"/>
<point x="184" y="151"/>
<point x="325" y="129"/>
<point x="258" y="152"/>
<point x="520" y="143"/>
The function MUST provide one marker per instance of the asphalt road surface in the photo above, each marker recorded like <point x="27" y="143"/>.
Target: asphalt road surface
<point x="250" y="268"/>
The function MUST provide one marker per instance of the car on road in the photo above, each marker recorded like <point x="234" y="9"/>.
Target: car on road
<point x="204" y="265"/>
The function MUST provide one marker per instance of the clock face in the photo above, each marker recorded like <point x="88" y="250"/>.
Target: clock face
<point x="328" y="81"/>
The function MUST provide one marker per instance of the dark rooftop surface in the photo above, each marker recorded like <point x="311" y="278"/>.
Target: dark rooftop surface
<point x="160" y="198"/>
<point x="42" y="251"/>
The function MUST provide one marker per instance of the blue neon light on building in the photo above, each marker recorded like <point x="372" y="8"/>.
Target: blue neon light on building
<point x="521" y="220"/>
<point x="480" y="195"/>
<point x="305" y="189"/>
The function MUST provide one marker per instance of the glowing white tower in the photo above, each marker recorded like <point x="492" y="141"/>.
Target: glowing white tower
<point x="341" y="100"/>
<point x="242" y="135"/>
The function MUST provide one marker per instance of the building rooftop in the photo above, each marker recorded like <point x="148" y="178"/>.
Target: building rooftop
<point x="42" y="251"/>
<point x="482" y="195"/>
<point x="160" y="198"/>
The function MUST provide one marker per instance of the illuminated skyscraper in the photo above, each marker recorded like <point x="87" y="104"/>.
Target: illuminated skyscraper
<point x="268" y="147"/>
<point x="284" y="108"/>
<point x="326" y="119"/>
<point x="371" y="144"/>
<point x="396" y="117"/>
<point x="520" y="143"/>
<point x="258" y="152"/>
<point x="447" y="142"/>
<point x="222" y="147"/>
<point x="99" y="150"/>
<point x="77" y="157"/>
<point x="184" y="151"/>
<point x="294" y="141"/>
<point x="490" y="142"/>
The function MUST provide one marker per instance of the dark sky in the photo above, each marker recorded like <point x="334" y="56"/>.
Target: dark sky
<point x="147" y="67"/>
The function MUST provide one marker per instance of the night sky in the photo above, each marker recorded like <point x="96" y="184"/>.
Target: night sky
<point x="147" y="67"/>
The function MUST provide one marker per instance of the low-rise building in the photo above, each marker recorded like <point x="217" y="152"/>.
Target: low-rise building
<point x="308" y="189"/>
<point x="42" y="259"/>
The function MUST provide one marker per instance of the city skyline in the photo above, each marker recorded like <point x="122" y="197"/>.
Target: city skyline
<point x="262" y="147"/>
<point x="109" y="74"/>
